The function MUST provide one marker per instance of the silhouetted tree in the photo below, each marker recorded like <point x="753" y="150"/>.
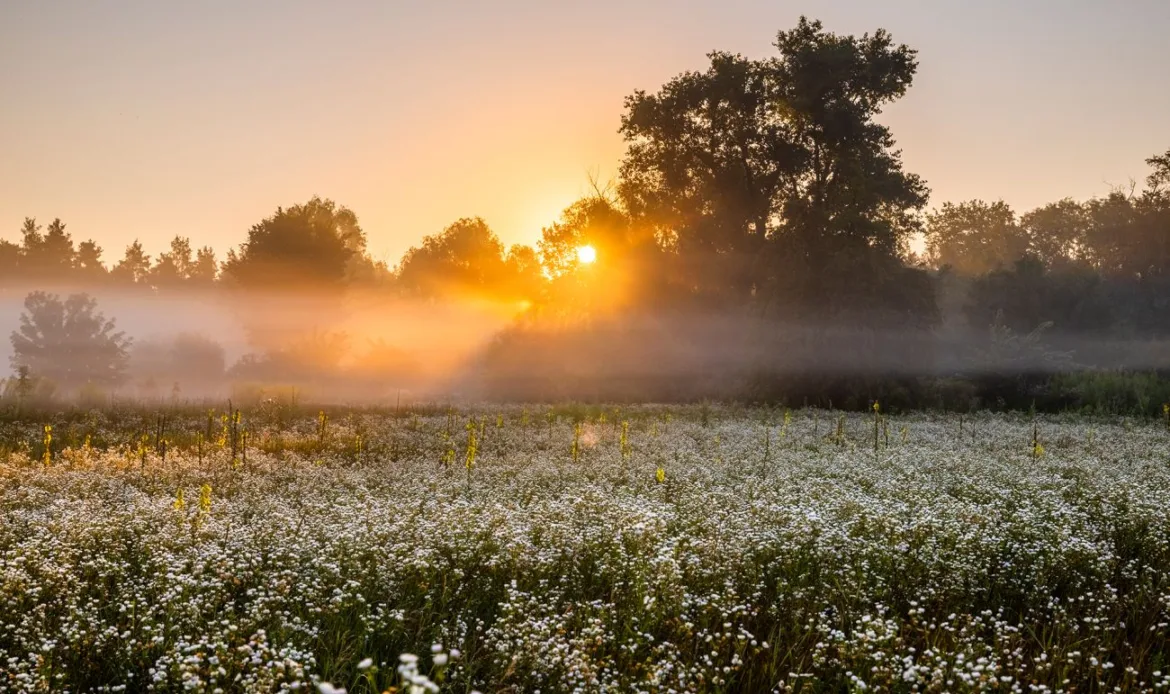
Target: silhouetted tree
<point x="69" y="341"/>
<point x="173" y="268"/>
<point x="134" y="268"/>
<point x="466" y="258"/>
<point x="630" y="270"/>
<point x="1028" y="294"/>
<point x="773" y="174"/>
<point x="307" y="246"/>
<point x="1056" y="232"/>
<point x="594" y="221"/>
<point x="59" y="255"/>
<point x="31" y="243"/>
<point x="1128" y="235"/>
<point x="90" y="269"/>
<point x="205" y="269"/>
<point x="1159" y="179"/>
<point x="46" y="257"/>
<point x="974" y="237"/>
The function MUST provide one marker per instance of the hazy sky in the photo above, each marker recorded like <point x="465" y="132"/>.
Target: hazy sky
<point x="151" y="118"/>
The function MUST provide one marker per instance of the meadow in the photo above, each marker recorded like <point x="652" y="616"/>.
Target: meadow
<point x="582" y="548"/>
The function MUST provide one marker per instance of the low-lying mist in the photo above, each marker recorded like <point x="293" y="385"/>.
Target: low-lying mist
<point x="363" y="347"/>
<point x="353" y="347"/>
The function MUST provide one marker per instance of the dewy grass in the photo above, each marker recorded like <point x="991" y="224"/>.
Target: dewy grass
<point x="942" y="563"/>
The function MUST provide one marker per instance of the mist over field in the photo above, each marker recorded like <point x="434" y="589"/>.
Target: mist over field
<point x="372" y="347"/>
<point x="764" y="239"/>
<point x="846" y="370"/>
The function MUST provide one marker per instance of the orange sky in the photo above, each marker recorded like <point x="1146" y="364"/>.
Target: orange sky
<point x="145" y="119"/>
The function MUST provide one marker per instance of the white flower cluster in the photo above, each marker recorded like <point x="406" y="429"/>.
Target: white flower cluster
<point x="692" y="549"/>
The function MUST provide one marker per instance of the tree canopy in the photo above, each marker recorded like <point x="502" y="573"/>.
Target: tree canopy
<point x="69" y="341"/>
<point x="767" y="174"/>
<point x="309" y="246"/>
<point x="467" y="258"/>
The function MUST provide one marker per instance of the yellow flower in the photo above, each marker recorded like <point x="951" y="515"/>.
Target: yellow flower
<point x="660" y="475"/>
<point x="48" y="441"/>
<point x="205" y="499"/>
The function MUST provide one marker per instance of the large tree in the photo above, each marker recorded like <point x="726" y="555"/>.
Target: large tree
<point x="134" y="267"/>
<point x="764" y="170"/>
<point x="309" y="246"/>
<point x="628" y="268"/>
<point x="467" y="258"/>
<point x="1159" y="179"/>
<point x="205" y="269"/>
<point x="975" y="237"/>
<point x="1056" y="232"/>
<point x="594" y="221"/>
<point x="89" y="262"/>
<point x="173" y="267"/>
<point x="68" y="341"/>
<point x="58" y="254"/>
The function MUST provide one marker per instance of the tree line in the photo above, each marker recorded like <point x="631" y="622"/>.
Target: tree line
<point x="765" y="189"/>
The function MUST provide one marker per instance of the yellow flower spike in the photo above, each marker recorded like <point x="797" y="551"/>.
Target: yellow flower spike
<point x="205" y="499"/>
<point x="48" y="441"/>
<point x="180" y="503"/>
<point x="660" y="475"/>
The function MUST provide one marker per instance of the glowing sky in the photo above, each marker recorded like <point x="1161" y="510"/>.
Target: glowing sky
<point x="147" y="118"/>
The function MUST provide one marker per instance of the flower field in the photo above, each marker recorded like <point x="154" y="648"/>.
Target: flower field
<point x="646" y="549"/>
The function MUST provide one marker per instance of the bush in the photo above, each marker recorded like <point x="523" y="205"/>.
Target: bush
<point x="1109" y="392"/>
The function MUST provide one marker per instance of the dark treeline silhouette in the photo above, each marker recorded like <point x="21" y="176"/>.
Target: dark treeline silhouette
<point x="757" y="244"/>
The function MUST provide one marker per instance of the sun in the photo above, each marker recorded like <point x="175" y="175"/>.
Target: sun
<point x="586" y="254"/>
